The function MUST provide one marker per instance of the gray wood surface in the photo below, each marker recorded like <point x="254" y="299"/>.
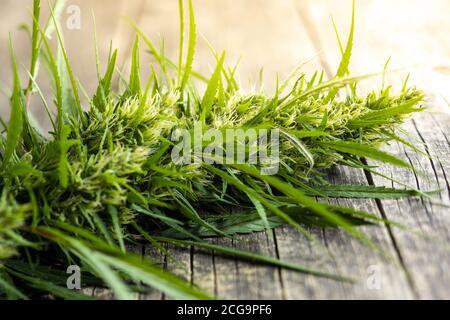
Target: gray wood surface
<point x="279" y="35"/>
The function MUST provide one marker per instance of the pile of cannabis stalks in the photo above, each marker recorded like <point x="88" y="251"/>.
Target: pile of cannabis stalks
<point x="104" y="178"/>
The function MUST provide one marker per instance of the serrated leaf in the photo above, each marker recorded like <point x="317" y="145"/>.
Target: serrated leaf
<point x="381" y="117"/>
<point x="232" y="224"/>
<point x="365" y="191"/>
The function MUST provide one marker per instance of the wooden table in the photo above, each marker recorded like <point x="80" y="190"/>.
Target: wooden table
<point x="279" y="35"/>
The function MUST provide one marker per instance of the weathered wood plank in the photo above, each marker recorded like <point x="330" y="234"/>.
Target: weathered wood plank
<point x="427" y="260"/>
<point x="159" y="258"/>
<point x="241" y="280"/>
<point x="204" y="271"/>
<point x="179" y="262"/>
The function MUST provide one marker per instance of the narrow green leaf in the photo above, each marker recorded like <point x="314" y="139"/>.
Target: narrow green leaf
<point x="35" y="43"/>
<point x="381" y="117"/>
<point x="181" y="43"/>
<point x="211" y="90"/>
<point x="163" y="59"/>
<point x="104" y="88"/>
<point x="105" y="261"/>
<point x="64" y="146"/>
<point x="134" y="85"/>
<point x="49" y="287"/>
<point x="261" y="211"/>
<point x="364" y="191"/>
<point x="191" y="47"/>
<point x="300" y="147"/>
<point x="117" y="227"/>
<point x="53" y="67"/>
<point x="362" y="150"/>
<point x="16" y="122"/>
<point x="343" y="66"/>
<point x="68" y="67"/>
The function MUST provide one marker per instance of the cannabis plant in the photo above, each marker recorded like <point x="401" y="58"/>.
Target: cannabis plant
<point x="104" y="177"/>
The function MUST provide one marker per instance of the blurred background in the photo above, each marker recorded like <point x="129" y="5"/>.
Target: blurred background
<point x="275" y="36"/>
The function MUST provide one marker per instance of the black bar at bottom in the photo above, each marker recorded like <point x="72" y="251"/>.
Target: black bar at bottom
<point x="264" y="309"/>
